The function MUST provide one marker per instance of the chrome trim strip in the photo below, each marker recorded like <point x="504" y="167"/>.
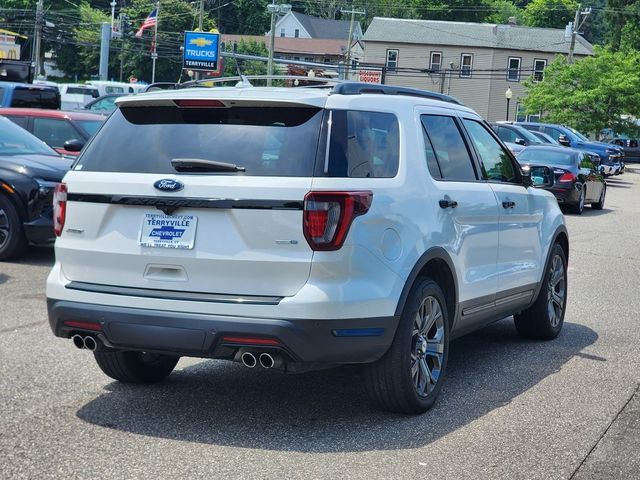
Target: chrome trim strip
<point x="174" y="294"/>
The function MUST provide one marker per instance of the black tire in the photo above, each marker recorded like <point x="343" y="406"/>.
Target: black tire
<point x="393" y="382"/>
<point x="544" y="319"/>
<point x="599" y="205"/>
<point x="135" y="367"/>
<point x="578" y="208"/>
<point x="12" y="240"/>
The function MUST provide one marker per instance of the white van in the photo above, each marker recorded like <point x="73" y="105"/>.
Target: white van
<point x="74" y="96"/>
<point x="105" y="87"/>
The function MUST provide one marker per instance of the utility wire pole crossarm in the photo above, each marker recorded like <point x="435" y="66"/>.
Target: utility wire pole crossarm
<point x="577" y="25"/>
<point x="350" y="37"/>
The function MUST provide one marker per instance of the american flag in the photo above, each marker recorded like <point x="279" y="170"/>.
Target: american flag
<point x="149" y="22"/>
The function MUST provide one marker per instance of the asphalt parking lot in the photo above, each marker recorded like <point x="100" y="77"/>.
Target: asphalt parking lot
<point x="510" y="408"/>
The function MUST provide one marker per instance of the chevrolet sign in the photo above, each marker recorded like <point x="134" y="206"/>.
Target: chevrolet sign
<point x="201" y="51"/>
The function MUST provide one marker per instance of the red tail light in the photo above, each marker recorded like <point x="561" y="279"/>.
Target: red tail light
<point x="59" y="208"/>
<point x="199" y="103"/>
<point x="567" y="177"/>
<point x="328" y="216"/>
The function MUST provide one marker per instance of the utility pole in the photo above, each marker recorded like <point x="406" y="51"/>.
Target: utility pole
<point x="274" y="9"/>
<point x="349" y="39"/>
<point x="577" y="25"/>
<point x="38" y="39"/>
<point x="200" y="23"/>
<point x="104" y="51"/>
<point x="154" y="54"/>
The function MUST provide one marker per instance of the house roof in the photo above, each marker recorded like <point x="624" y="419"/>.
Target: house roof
<point x="324" y="28"/>
<point x="466" y="34"/>
<point x="302" y="46"/>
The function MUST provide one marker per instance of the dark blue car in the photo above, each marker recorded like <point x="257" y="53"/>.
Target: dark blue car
<point x="567" y="136"/>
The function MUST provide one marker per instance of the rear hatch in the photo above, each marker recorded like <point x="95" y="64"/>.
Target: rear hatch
<point x="194" y="196"/>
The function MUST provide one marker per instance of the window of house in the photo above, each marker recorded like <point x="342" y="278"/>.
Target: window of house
<point x="392" y="60"/>
<point x="296" y="33"/>
<point x="282" y="32"/>
<point x="435" y="62"/>
<point x="513" y="69"/>
<point x="445" y="150"/>
<point x="308" y="59"/>
<point x="466" y="64"/>
<point x="520" y="115"/>
<point x="538" y="69"/>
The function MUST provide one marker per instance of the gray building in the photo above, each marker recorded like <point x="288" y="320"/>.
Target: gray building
<point x="475" y="62"/>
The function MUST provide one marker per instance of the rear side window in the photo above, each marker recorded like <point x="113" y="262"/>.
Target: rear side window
<point x="496" y="163"/>
<point x="362" y="145"/>
<point x="266" y="141"/>
<point x="444" y="142"/>
<point x="19" y="120"/>
<point x="54" y="132"/>
<point x="35" y="98"/>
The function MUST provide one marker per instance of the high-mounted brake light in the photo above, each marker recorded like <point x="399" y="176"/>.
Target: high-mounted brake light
<point x="59" y="208"/>
<point x="199" y="103"/>
<point x="567" y="177"/>
<point x="328" y="216"/>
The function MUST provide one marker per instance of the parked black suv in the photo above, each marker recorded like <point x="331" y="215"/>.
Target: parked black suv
<point x="29" y="172"/>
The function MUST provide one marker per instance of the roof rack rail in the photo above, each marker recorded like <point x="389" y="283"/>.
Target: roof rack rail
<point x="358" y="88"/>
<point x="245" y="80"/>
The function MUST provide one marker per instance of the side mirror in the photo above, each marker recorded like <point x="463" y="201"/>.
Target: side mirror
<point x="538" y="176"/>
<point x="73" y="145"/>
<point x="521" y="141"/>
<point x="564" y="140"/>
<point x="596" y="162"/>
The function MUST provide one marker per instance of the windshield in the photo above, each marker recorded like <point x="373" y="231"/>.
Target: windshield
<point x="545" y="157"/>
<point x="90" y="126"/>
<point x="578" y="134"/>
<point x="265" y="141"/>
<point x="14" y="140"/>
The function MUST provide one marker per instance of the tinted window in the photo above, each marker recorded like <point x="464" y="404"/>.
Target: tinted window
<point x="1" y="95"/>
<point x="553" y="132"/>
<point x="19" y="120"/>
<point x="15" y="140"/>
<point x="496" y="163"/>
<point x="543" y="156"/>
<point x="265" y="141"/>
<point x="35" y="98"/>
<point x="53" y="131"/>
<point x="507" y="135"/>
<point x="82" y="91"/>
<point x="452" y="156"/>
<point x="362" y="145"/>
<point x="90" y="127"/>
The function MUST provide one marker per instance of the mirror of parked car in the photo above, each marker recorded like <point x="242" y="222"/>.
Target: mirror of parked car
<point x="539" y="176"/>
<point x="521" y="141"/>
<point x="73" y="145"/>
<point x="564" y="140"/>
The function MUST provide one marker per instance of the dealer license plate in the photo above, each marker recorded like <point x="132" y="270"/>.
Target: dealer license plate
<point x="168" y="231"/>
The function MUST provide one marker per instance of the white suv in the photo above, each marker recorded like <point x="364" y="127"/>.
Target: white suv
<point x="298" y="229"/>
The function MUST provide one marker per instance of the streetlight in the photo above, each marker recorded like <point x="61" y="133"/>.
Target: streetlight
<point x="274" y="9"/>
<point x="508" y="94"/>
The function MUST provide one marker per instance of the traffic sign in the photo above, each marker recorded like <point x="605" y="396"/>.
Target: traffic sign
<point x="201" y="51"/>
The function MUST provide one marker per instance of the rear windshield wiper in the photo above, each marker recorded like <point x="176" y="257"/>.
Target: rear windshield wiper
<point x="202" y="165"/>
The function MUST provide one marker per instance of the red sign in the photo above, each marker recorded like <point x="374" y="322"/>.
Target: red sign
<point x="370" y="76"/>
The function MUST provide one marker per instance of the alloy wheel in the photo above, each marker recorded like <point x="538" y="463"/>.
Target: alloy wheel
<point x="4" y="228"/>
<point x="556" y="291"/>
<point x="427" y="346"/>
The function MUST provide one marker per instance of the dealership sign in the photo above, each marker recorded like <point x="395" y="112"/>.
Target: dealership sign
<point x="201" y="51"/>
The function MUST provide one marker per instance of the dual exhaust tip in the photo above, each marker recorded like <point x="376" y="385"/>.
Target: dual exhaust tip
<point x="87" y="342"/>
<point x="250" y="360"/>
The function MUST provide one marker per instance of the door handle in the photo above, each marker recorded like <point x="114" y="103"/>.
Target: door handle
<point x="447" y="203"/>
<point x="508" y="204"/>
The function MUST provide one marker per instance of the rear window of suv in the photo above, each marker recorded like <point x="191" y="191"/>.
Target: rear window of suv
<point x="35" y="98"/>
<point x="266" y="141"/>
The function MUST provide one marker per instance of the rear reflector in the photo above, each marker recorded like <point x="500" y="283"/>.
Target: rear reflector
<point x="199" y="103"/>
<point x="250" y="341"/>
<point x="59" y="208"/>
<point x="328" y="216"/>
<point x="82" y="325"/>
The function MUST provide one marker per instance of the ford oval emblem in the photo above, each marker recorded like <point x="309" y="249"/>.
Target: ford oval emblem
<point x="168" y="185"/>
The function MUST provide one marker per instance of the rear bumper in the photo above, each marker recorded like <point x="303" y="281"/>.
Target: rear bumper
<point x="39" y="231"/>
<point x="566" y="196"/>
<point x="201" y="335"/>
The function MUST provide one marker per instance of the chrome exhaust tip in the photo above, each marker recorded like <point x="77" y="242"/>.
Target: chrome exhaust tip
<point x="249" y="360"/>
<point x="78" y="341"/>
<point x="266" y="360"/>
<point x="90" y="343"/>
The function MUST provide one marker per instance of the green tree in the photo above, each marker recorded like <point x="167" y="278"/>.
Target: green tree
<point x="622" y="24"/>
<point x="247" y="67"/>
<point x="550" y="13"/>
<point x="598" y="92"/>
